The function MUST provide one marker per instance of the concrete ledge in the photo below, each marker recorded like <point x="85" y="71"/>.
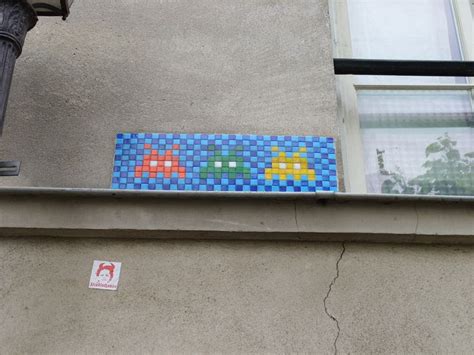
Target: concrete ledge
<point x="319" y="217"/>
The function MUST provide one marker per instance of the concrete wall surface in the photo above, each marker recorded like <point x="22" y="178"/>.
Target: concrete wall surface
<point x="179" y="66"/>
<point x="210" y="66"/>
<point x="186" y="296"/>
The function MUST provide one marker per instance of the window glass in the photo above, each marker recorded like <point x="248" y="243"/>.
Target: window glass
<point x="404" y="29"/>
<point x="418" y="142"/>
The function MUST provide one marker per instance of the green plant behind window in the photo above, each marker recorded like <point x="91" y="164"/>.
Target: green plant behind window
<point x="446" y="172"/>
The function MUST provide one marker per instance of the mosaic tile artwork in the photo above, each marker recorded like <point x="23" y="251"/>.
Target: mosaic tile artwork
<point x="224" y="162"/>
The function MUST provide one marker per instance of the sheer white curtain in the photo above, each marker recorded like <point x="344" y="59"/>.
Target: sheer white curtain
<point x="404" y="29"/>
<point x="398" y="125"/>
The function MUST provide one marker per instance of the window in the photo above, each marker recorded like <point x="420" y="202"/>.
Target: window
<point x="412" y="135"/>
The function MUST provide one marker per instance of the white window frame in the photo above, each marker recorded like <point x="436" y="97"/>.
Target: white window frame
<point x="352" y="148"/>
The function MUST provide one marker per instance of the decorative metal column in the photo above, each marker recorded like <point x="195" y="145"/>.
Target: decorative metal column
<point x="17" y="17"/>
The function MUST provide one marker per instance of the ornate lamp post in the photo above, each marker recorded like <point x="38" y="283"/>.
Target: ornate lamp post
<point x="17" y="17"/>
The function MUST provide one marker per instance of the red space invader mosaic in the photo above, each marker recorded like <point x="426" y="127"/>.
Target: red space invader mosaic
<point x="167" y="164"/>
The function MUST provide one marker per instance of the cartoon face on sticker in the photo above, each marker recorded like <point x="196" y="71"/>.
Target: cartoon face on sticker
<point x="105" y="275"/>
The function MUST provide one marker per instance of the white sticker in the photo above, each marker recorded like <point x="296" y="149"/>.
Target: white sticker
<point x="105" y="275"/>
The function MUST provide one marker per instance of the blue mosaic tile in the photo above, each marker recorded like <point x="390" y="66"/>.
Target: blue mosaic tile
<point x="224" y="162"/>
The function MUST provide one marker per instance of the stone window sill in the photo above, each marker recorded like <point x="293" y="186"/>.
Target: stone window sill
<point x="331" y="217"/>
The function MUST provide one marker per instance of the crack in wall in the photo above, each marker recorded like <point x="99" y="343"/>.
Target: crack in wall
<point x="333" y="282"/>
<point x="415" y="234"/>
<point x="417" y="220"/>
<point x="296" y="219"/>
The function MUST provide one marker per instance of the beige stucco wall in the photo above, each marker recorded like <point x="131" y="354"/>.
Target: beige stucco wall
<point x="249" y="297"/>
<point x="183" y="66"/>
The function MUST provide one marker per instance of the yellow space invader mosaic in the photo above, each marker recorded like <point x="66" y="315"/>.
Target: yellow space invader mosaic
<point x="294" y="165"/>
